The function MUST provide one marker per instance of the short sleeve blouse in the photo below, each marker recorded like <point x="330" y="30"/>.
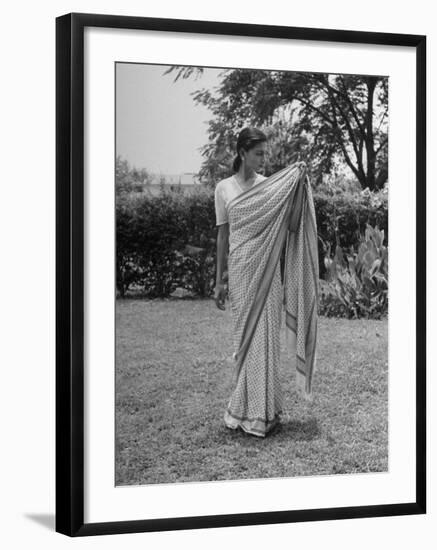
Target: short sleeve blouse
<point x="226" y="190"/>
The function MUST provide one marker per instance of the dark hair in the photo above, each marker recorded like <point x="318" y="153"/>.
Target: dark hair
<point x="247" y="139"/>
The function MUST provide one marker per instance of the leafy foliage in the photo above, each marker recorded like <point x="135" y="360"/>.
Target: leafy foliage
<point x="342" y="217"/>
<point x="357" y="283"/>
<point x="316" y="117"/>
<point x="166" y="241"/>
<point x="129" y="179"/>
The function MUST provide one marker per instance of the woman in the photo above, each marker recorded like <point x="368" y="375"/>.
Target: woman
<point x="256" y="218"/>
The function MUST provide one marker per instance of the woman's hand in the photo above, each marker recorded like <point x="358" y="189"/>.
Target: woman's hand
<point x="220" y="295"/>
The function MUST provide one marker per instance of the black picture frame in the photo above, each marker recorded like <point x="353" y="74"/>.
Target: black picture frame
<point x="70" y="273"/>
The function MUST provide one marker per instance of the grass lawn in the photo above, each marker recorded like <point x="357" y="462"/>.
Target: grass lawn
<point x="174" y="378"/>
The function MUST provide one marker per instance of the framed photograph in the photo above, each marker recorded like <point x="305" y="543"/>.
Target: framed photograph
<point x="240" y="255"/>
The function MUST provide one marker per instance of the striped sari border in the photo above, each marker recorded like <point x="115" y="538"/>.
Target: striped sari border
<point x="254" y="426"/>
<point x="301" y="361"/>
<point x="290" y="321"/>
<point x="313" y="355"/>
<point x="312" y="261"/>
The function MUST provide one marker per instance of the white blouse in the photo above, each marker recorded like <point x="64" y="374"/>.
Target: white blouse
<point x="226" y="190"/>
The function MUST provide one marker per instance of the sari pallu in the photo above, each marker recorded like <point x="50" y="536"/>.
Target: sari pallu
<point x="274" y="213"/>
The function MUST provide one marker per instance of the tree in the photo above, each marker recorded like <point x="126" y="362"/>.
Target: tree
<point x="128" y="179"/>
<point x="312" y="116"/>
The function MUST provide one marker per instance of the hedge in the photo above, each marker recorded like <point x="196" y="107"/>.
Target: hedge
<point x="168" y="241"/>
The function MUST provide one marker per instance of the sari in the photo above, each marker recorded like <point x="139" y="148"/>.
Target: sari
<point x="275" y="213"/>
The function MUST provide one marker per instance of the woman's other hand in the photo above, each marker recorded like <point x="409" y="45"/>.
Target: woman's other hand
<point x="220" y="296"/>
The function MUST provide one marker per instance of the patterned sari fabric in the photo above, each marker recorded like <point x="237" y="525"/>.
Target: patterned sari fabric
<point x="274" y="213"/>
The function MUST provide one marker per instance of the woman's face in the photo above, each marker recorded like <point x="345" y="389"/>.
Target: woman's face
<point x="255" y="157"/>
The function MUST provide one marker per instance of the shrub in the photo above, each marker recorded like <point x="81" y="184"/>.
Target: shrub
<point x="166" y="241"/>
<point x="342" y="219"/>
<point x="357" y="284"/>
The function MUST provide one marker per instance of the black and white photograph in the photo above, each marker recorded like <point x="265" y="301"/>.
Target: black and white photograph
<point x="240" y="274"/>
<point x="216" y="276"/>
<point x="252" y="260"/>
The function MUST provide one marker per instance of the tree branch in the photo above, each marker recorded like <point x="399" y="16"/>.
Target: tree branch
<point x="381" y="145"/>
<point x="309" y="105"/>
<point x="350" y="131"/>
<point x="352" y="108"/>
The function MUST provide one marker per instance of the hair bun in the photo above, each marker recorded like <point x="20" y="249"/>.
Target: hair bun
<point x="237" y="163"/>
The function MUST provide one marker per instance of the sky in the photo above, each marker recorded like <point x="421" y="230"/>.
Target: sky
<point x="158" y="125"/>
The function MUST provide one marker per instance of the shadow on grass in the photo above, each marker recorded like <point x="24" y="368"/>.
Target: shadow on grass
<point x="292" y="430"/>
<point x="297" y="430"/>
